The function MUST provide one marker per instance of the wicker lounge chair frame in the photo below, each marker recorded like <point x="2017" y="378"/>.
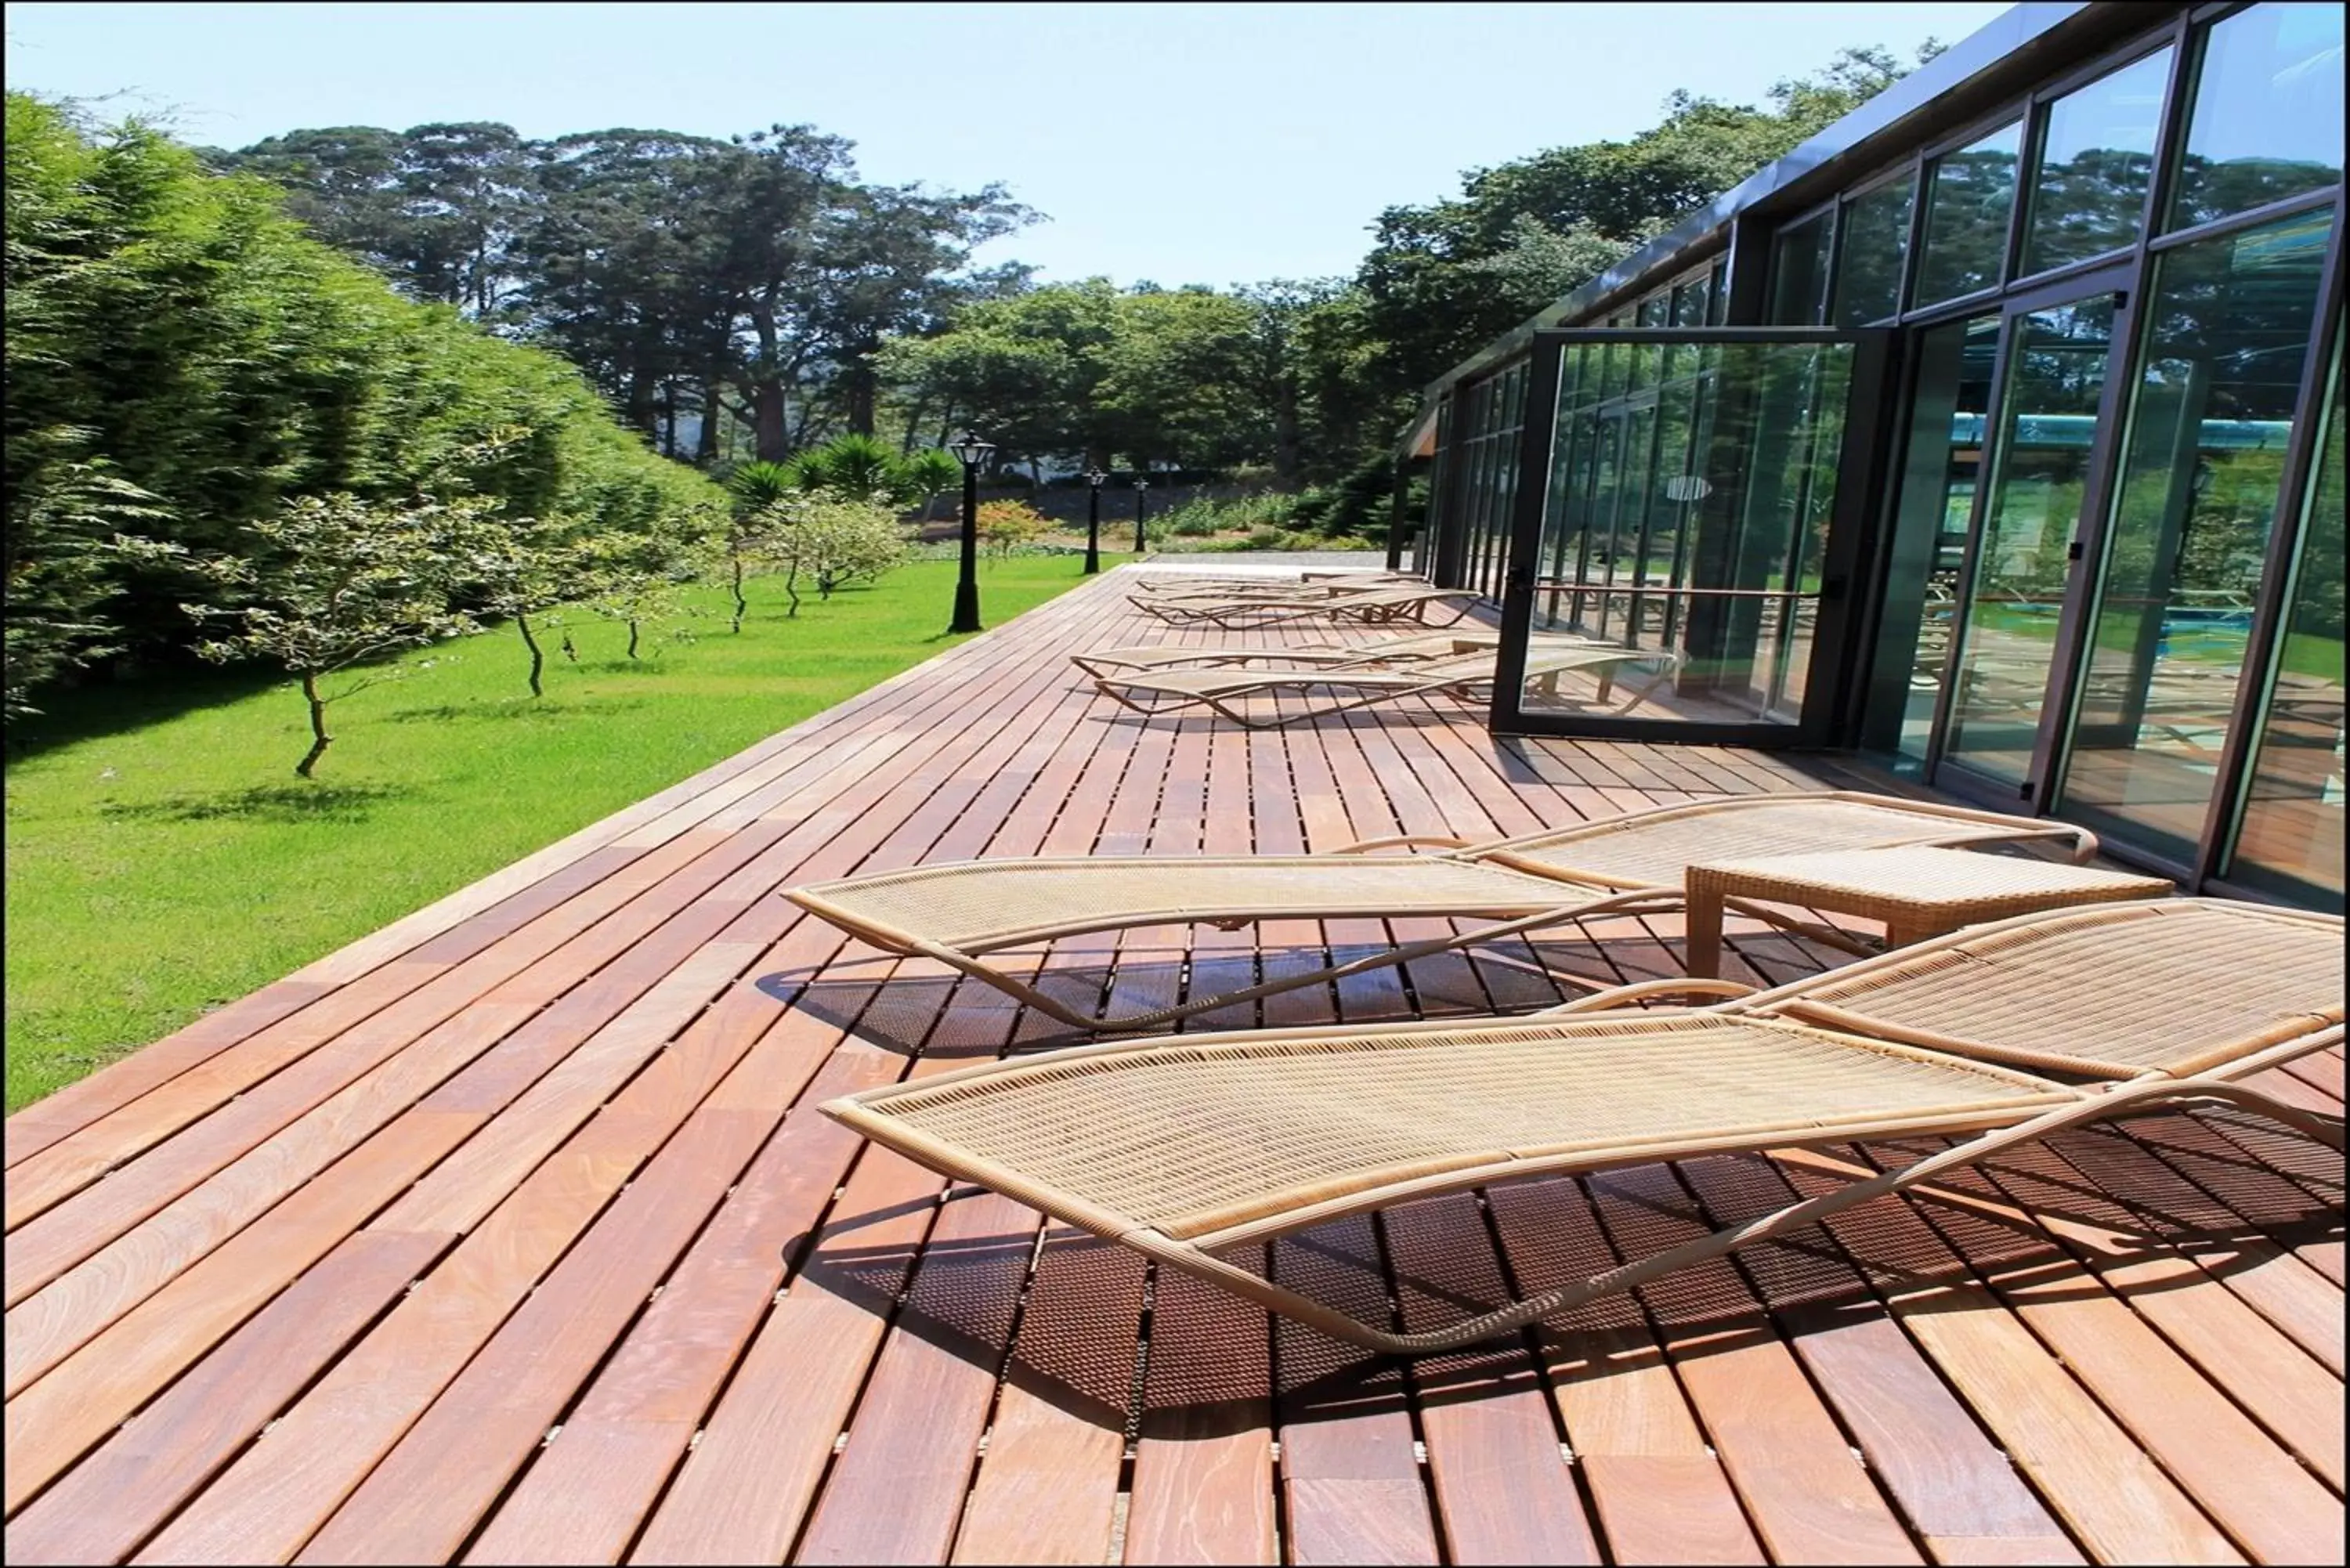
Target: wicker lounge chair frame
<point x="1558" y="876"/>
<point x="1412" y="648"/>
<point x="1965" y="1014"/>
<point x="1469" y="677"/>
<point x="1377" y="607"/>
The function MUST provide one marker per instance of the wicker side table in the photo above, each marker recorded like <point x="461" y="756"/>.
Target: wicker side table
<point x="1917" y="892"/>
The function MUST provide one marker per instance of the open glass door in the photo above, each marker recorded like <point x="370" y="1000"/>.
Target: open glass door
<point x="1690" y="506"/>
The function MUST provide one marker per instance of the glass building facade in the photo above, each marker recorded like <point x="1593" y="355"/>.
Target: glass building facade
<point x="1994" y="436"/>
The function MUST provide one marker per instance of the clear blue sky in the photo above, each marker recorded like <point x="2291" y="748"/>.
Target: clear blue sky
<point x="1181" y="143"/>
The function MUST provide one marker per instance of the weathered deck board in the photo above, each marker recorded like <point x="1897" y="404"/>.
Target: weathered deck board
<point x="510" y="1232"/>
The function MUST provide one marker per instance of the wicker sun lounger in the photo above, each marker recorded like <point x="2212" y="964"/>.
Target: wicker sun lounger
<point x="1412" y="648"/>
<point x="1376" y="606"/>
<point x="1633" y="864"/>
<point x="1187" y="1146"/>
<point x="1228" y="693"/>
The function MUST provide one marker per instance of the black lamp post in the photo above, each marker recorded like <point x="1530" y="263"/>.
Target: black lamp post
<point x="970" y="452"/>
<point x="1093" y="477"/>
<point x="1141" y="485"/>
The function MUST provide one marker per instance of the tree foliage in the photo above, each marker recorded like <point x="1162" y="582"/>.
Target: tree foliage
<point x="185" y="361"/>
<point x="335" y="583"/>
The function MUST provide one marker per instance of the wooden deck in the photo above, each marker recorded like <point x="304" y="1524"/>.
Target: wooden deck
<point x="510" y="1235"/>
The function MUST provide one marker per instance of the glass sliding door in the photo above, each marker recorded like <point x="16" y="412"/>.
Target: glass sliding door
<point x="1941" y="466"/>
<point x="1679" y="572"/>
<point x="2288" y="840"/>
<point x="2228" y="328"/>
<point x="2042" y="445"/>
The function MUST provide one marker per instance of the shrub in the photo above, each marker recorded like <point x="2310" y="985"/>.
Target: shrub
<point x="1006" y="524"/>
<point x="831" y="540"/>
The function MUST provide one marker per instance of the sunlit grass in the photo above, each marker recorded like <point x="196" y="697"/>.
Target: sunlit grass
<point x="164" y="859"/>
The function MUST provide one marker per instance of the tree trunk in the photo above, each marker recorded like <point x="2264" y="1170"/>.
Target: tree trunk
<point x="669" y="419"/>
<point x="319" y="739"/>
<point x="792" y="591"/>
<point x="705" y="446"/>
<point x="537" y="658"/>
<point x="735" y="564"/>
<point x="1286" y="459"/>
<point x="641" y="403"/>
<point x="767" y="431"/>
<point x="862" y="389"/>
<point x="633" y="630"/>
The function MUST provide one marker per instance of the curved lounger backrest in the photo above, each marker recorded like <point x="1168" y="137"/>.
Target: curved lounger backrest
<point x="1653" y="848"/>
<point x="2180" y="986"/>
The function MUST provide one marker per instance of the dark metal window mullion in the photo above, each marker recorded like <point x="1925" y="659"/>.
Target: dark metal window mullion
<point x="1525" y="538"/>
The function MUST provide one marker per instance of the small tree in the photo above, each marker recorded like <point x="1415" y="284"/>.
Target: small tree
<point x="759" y="488"/>
<point x="1005" y="524"/>
<point x="639" y="577"/>
<point x="832" y="540"/>
<point x="527" y="569"/>
<point x="334" y="582"/>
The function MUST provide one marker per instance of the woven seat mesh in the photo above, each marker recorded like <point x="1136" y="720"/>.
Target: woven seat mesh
<point x="1653" y="852"/>
<point x="2178" y="986"/>
<point x="1183" y="1137"/>
<point x="987" y="902"/>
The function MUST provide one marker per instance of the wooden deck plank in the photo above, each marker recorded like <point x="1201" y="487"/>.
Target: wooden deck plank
<point x="1047" y="1487"/>
<point x="2108" y="1492"/>
<point x="1810" y="1499"/>
<point x="2275" y="1510"/>
<point x="573" y="1105"/>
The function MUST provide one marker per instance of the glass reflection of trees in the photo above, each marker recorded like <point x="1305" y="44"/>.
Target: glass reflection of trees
<point x="2228" y="333"/>
<point x="2095" y="162"/>
<point x="2291" y="840"/>
<point x="2267" y="118"/>
<point x="1969" y="196"/>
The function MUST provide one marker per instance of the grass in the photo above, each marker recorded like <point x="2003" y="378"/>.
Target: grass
<point x="164" y="859"/>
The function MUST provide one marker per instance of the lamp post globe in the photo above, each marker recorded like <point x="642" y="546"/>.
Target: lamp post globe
<point x="1093" y="477"/>
<point x="970" y="452"/>
<point x="1141" y="488"/>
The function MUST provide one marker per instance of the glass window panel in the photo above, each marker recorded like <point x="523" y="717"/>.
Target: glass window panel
<point x="1875" y="243"/>
<point x="2267" y="118"/>
<point x="2096" y="159"/>
<point x="2290" y="841"/>
<point x="1799" y="273"/>
<point x="1693" y="301"/>
<point x="1942" y="459"/>
<point x="1969" y="195"/>
<point x="2056" y="375"/>
<point x="1690" y="515"/>
<point x="2228" y="328"/>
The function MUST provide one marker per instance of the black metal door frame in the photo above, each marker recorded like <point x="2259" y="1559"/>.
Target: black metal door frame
<point x="1859" y="467"/>
<point x="2084" y="552"/>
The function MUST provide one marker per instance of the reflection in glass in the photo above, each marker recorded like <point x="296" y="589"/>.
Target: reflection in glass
<point x="2290" y="840"/>
<point x="1875" y="243"/>
<point x="2096" y="159"/>
<point x="1686" y="521"/>
<point x="1693" y="301"/>
<point x="2056" y="369"/>
<point x="2267" y="121"/>
<point x="1799" y="273"/>
<point x="2228" y="328"/>
<point x="1942" y="460"/>
<point x="1969" y="195"/>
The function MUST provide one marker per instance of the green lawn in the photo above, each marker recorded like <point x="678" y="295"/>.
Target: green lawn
<point x="164" y="859"/>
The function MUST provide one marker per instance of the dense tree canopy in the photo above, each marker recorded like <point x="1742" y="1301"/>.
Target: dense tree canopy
<point x="183" y="361"/>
